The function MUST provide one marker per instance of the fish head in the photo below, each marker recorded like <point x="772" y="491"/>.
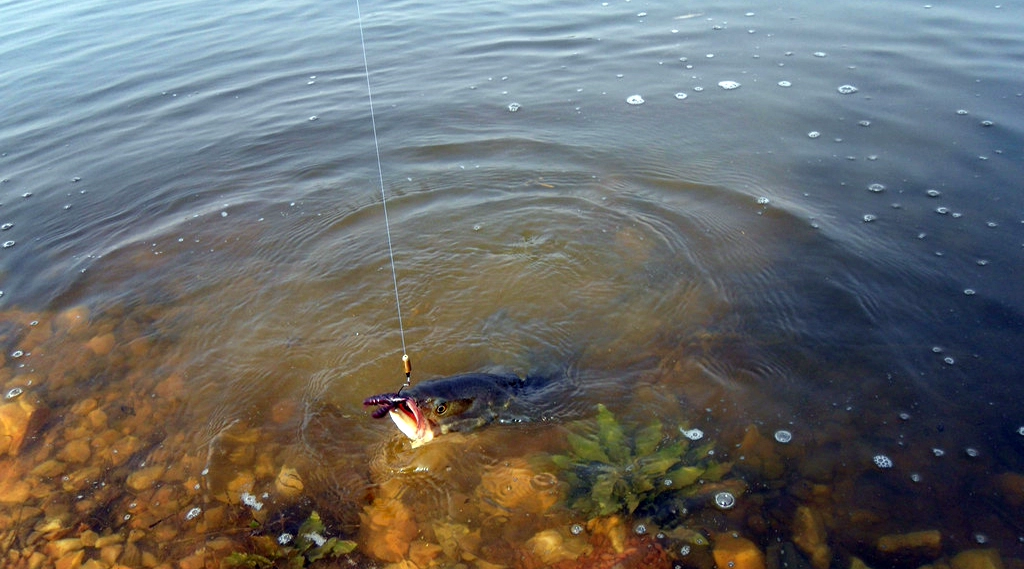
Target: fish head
<point x="420" y="418"/>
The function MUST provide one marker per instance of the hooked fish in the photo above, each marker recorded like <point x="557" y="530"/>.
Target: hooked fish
<point x="457" y="403"/>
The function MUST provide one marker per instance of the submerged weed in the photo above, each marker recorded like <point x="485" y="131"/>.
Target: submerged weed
<point x="307" y="546"/>
<point x="610" y="470"/>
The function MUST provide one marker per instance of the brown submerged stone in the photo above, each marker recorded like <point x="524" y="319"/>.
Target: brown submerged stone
<point x="810" y="536"/>
<point x="977" y="559"/>
<point x="737" y="553"/>
<point x="927" y="542"/>
<point x="19" y="419"/>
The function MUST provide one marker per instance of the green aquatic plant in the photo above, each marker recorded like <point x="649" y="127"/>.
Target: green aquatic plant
<point x="612" y="470"/>
<point x="307" y="546"/>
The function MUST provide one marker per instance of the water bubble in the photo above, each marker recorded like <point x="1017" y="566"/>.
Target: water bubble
<point x="971" y="452"/>
<point x="8" y="244"/>
<point x="1020" y="430"/>
<point x="6" y="226"/>
<point x="762" y="200"/>
<point x="915" y="477"/>
<point x="949" y="360"/>
<point x="783" y="436"/>
<point x="725" y="500"/>
<point x="698" y="89"/>
<point x="876" y="188"/>
<point x="635" y="100"/>
<point x="692" y="434"/>
<point x="970" y="291"/>
<point x="640" y="529"/>
<point x="785" y="84"/>
<point x="882" y="461"/>
<point x="981" y="538"/>
<point x="991" y="224"/>
<point x="16" y="391"/>
<point x="933" y="193"/>
<point x="942" y="210"/>
<point x="749" y="14"/>
<point x="313" y="118"/>
<point x="813" y="134"/>
<point x="17" y="354"/>
<point x="285" y="538"/>
<point x="680" y="95"/>
<point x="938" y="452"/>
<point x="846" y="89"/>
<point x="961" y="111"/>
<point x="513" y="107"/>
<point x="684" y="550"/>
<point x="864" y="123"/>
<point x="729" y="85"/>
<point x="576" y="529"/>
<point x="820" y="54"/>
<point x="26" y="195"/>
<point x="869" y="217"/>
<point x="904" y="416"/>
<point x="193" y="513"/>
<point x="641" y="14"/>
<point x="987" y="123"/>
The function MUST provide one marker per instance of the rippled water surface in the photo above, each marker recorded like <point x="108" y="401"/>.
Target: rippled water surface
<point x="797" y="227"/>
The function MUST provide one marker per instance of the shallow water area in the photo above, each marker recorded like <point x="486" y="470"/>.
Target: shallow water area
<point x="781" y="321"/>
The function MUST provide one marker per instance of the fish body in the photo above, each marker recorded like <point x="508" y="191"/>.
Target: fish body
<point x="448" y="404"/>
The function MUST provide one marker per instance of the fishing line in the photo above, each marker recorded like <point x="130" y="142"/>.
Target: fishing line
<point x="406" y="362"/>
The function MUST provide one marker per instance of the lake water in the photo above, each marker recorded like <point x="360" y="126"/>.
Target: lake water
<point x="743" y="218"/>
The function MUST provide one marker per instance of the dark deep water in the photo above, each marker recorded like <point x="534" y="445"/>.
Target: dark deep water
<point x="196" y="294"/>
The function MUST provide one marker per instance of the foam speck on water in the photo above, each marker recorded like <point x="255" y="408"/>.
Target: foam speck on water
<point x="785" y="84"/>
<point x="882" y="461"/>
<point x="729" y="85"/>
<point x="193" y="513"/>
<point x="681" y="95"/>
<point x="846" y="89"/>
<point x="813" y="134"/>
<point x="251" y="501"/>
<point x="876" y="188"/>
<point x="635" y="100"/>
<point x="692" y="434"/>
<point x="783" y="436"/>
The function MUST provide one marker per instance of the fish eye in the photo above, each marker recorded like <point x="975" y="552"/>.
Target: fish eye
<point x="441" y="409"/>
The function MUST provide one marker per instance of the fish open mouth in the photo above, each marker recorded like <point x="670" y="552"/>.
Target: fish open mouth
<point x="406" y="415"/>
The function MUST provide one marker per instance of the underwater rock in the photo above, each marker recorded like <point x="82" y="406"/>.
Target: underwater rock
<point x="1011" y="486"/>
<point x="760" y="454"/>
<point x="101" y="345"/>
<point x="514" y="486"/>
<point x="612" y="528"/>
<point x="387" y="530"/>
<point x="928" y="543"/>
<point x="18" y="420"/>
<point x="76" y="451"/>
<point x="145" y="478"/>
<point x="72" y="320"/>
<point x="288" y="483"/>
<point x="551" y="547"/>
<point x="977" y="559"/>
<point x="737" y="553"/>
<point x="423" y="554"/>
<point x="810" y="536"/>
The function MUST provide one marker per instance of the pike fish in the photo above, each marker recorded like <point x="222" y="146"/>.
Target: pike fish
<point x="457" y="403"/>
